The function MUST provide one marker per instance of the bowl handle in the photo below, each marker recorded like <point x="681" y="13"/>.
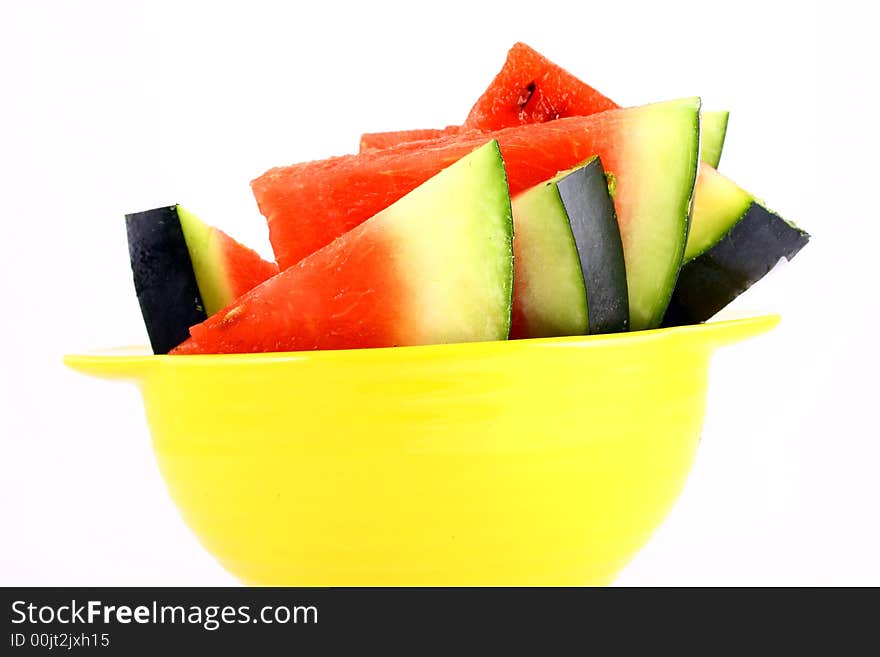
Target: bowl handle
<point x="112" y="365"/>
<point x="719" y="334"/>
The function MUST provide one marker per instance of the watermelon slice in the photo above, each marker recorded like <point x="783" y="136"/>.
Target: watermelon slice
<point x="570" y="276"/>
<point x="185" y="270"/>
<point x="732" y="264"/>
<point x="434" y="267"/>
<point x="651" y="152"/>
<point x="224" y="268"/>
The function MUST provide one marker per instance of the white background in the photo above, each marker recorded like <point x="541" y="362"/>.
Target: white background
<point x="113" y="107"/>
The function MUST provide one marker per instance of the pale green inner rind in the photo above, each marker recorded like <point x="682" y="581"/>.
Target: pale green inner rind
<point x="714" y="129"/>
<point x="660" y="159"/>
<point x="455" y="239"/>
<point x="719" y="204"/>
<point x="550" y="286"/>
<point x="207" y="262"/>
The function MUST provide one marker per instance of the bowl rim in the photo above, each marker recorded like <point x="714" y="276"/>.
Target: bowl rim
<point x="118" y="361"/>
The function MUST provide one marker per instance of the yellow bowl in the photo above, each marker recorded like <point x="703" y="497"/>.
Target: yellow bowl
<point x="533" y="462"/>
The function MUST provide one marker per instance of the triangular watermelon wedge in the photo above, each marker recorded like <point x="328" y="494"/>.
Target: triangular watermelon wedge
<point x="650" y="152"/>
<point x="185" y="270"/>
<point x="434" y="267"/>
<point x="530" y="88"/>
<point x="224" y="268"/>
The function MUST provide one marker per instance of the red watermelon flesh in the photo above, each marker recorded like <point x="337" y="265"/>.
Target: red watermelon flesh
<point x="245" y="269"/>
<point x="532" y="89"/>
<point x="308" y="205"/>
<point x="435" y="267"/>
<point x="287" y="314"/>
<point x="650" y="151"/>
<point x="376" y="140"/>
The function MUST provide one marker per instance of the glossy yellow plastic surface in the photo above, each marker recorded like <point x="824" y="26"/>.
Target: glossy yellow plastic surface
<point x="533" y="462"/>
